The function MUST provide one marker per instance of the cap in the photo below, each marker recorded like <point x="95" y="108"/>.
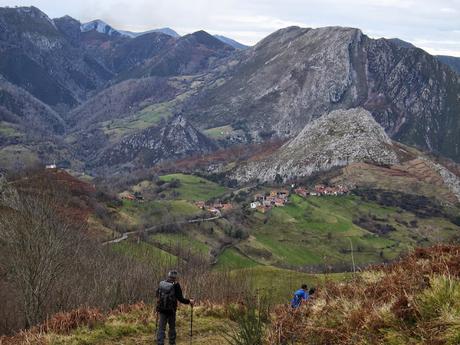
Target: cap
<point x="173" y="274"/>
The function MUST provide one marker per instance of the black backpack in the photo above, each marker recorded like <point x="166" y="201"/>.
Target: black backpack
<point x="167" y="301"/>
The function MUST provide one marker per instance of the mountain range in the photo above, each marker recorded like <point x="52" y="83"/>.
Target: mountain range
<point x="104" y="28"/>
<point x="95" y="97"/>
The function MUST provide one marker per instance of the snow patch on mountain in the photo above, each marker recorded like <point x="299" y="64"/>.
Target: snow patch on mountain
<point x="99" y="26"/>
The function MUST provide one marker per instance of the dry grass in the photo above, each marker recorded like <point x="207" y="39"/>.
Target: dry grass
<point x="414" y="301"/>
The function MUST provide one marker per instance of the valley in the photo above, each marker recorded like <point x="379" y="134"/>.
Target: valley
<point x="317" y="155"/>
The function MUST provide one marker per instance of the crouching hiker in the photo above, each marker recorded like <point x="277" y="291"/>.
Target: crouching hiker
<point x="301" y="295"/>
<point x="168" y="294"/>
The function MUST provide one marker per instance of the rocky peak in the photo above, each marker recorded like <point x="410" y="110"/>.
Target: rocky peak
<point x="338" y="138"/>
<point x="70" y="27"/>
<point x="175" y="139"/>
<point x="205" y="39"/>
<point x="20" y="20"/>
<point x="296" y="75"/>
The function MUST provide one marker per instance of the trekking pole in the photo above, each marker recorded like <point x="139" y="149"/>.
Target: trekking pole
<point x="156" y="323"/>
<point x="191" y="324"/>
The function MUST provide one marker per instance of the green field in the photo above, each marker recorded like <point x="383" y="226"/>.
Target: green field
<point x="314" y="234"/>
<point x="194" y="187"/>
<point x="280" y="283"/>
<point x="233" y="259"/>
<point x="181" y="240"/>
<point x="219" y="132"/>
<point x="320" y="231"/>
<point x="8" y="130"/>
<point x="147" y="117"/>
<point x="317" y="232"/>
<point x="145" y="253"/>
<point x="14" y="156"/>
<point x="158" y="212"/>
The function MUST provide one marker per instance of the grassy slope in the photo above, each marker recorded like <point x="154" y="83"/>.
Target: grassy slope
<point x="156" y="210"/>
<point x="149" y="116"/>
<point x="308" y="232"/>
<point x="279" y="284"/>
<point x="219" y="132"/>
<point x="194" y="187"/>
<point x="145" y="252"/>
<point x="183" y="241"/>
<point x="314" y="231"/>
<point x="318" y="230"/>
<point x="415" y="301"/>
<point x="13" y="155"/>
<point x="137" y="327"/>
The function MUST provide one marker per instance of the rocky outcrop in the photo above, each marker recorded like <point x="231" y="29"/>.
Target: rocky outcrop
<point x="335" y="139"/>
<point x="296" y="75"/>
<point x="451" y="181"/>
<point x="176" y="139"/>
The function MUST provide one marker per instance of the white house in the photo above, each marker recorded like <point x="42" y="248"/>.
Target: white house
<point x="255" y="204"/>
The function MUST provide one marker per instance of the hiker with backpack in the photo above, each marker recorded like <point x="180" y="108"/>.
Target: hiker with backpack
<point x="301" y="295"/>
<point x="168" y="294"/>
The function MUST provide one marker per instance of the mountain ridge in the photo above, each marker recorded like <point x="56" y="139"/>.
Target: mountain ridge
<point x="269" y="91"/>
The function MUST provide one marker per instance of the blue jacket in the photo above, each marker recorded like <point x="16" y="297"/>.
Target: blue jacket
<point x="299" y="295"/>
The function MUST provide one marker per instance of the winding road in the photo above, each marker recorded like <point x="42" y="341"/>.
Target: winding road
<point x="126" y="235"/>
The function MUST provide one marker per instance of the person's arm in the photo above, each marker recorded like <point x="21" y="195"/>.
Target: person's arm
<point x="180" y="296"/>
<point x="305" y="295"/>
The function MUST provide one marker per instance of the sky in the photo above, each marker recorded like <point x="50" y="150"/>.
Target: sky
<point x="433" y="25"/>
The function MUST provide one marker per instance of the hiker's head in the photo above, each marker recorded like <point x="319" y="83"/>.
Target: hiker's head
<point x="312" y="291"/>
<point x="304" y="287"/>
<point x="172" y="275"/>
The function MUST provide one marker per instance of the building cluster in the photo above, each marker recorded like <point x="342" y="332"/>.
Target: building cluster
<point x="137" y="196"/>
<point x="320" y="190"/>
<point x="215" y="208"/>
<point x="276" y="198"/>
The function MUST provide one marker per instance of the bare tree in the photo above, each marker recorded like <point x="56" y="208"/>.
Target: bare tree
<point x="38" y="245"/>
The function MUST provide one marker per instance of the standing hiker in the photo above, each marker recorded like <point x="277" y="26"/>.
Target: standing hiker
<point x="168" y="293"/>
<point x="300" y="295"/>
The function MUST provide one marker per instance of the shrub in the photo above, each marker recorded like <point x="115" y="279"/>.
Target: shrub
<point x="251" y="319"/>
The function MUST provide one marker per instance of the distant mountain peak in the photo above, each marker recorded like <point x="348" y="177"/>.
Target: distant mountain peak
<point x="166" y="31"/>
<point x="99" y="26"/>
<point x="205" y="38"/>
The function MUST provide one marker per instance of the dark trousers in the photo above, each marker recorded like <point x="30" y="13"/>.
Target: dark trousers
<point x="170" y="319"/>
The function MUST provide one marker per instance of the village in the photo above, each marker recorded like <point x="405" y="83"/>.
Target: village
<point x="279" y="198"/>
<point x="262" y="202"/>
<point x="216" y="208"/>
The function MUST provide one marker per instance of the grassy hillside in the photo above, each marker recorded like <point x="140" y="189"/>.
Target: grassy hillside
<point x="127" y="325"/>
<point x="322" y="231"/>
<point x="195" y="188"/>
<point x="413" y="301"/>
<point x="314" y="233"/>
